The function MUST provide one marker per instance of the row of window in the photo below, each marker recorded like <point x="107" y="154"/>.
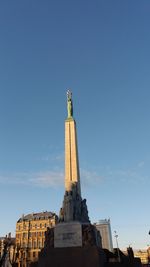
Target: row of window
<point x="36" y="226"/>
<point x="30" y="255"/>
<point x="39" y="244"/>
<point x="30" y="234"/>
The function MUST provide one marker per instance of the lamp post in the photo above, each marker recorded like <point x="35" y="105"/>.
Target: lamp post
<point x="116" y="236"/>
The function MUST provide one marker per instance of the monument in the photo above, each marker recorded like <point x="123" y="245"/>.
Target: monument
<point x="74" y="241"/>
<point x="74" y="208"/>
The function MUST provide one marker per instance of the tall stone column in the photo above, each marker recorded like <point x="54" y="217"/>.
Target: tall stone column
<point x="72" y="175"/>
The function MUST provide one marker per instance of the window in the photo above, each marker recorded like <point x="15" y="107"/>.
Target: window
<point x="30" y="234"/>
<point x="40" y="244"/>
<point x="24" y="235"/>
<point x="34" y="234"/>
<point x="29" y="254"/>
<point x="34" y="244"/>
<point x="24" y="245"/>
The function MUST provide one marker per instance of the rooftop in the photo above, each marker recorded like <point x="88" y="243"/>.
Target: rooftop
<point x="104" y="221"/>
<point x="37" y="216"/>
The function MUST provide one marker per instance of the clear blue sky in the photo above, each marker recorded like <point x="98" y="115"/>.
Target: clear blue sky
<point x="101" y="49"/>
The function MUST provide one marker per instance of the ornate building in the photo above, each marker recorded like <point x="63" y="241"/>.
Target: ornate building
<point x="30" y="235"/>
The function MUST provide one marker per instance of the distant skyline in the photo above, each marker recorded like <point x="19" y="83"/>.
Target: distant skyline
<point x="99" y="49"/>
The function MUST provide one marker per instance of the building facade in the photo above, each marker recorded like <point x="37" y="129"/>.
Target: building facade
<point x="103" y="226"/>
<point x="1" y="246"/>
<point x="143" y="254"/>
<point x="30" y="236"/>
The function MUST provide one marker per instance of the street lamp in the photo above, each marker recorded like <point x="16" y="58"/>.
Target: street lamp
<point x="116" y="236"/>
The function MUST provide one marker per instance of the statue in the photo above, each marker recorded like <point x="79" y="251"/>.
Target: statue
<point x="61" y="215"/>
<point x="84" y="211"/>
<point x="69" y="104"/>
<point x="5" y="260"/>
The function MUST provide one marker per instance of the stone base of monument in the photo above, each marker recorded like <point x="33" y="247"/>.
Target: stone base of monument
<point x="72" y="244"/>
<point x="72" y="257"/>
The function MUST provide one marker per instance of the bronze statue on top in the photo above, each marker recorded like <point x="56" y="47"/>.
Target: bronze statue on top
<point x="69" y="104"/>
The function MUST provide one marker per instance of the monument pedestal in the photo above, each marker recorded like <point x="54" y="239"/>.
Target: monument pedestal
<point x="72" y="257"/>
<point x="72" y="245"/>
